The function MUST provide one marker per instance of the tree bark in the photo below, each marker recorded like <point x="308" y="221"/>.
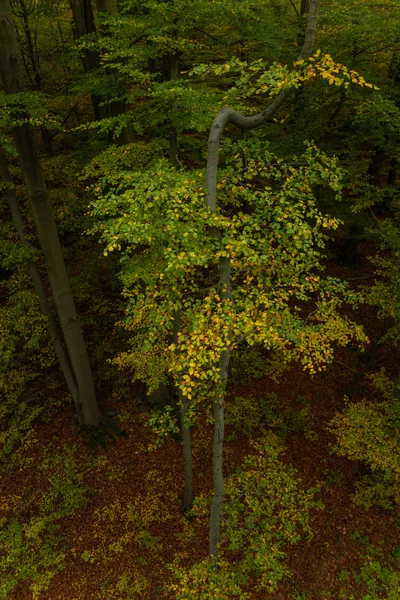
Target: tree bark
<point x="117" y="107"/>
<point x="378" y="157"/>
<point x="25" y="140"/>
<point x="107" y="6"/>
<point x="187" y="454"/>
<point x="173" y="136"/>
<point x="52" y="327"/>
<point x="31" y="51"/>
<point x="83" y="18"/>
<point x="219" y="417"/>
<point x="392" y="175"/>
<point x="225" y="117"/>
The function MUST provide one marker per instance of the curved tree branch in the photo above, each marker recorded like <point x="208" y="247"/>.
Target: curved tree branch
<point x="228" y="115"/>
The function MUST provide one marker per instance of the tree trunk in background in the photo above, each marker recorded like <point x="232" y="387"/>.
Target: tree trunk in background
<point x="173" y="136"/>
<point x="109" y="6"/>
<point x="305" y="7"/>
<point x="84" y="23"/>
<point x="219" y="423"/>
<point x="26" y="144"/>
<point x="52" y="327"/>
<point x="299" y="101"/>
<point x="185" y="428"/>
<point x="31" y="56"/>
<point x="187" y="454"/>
<point x="183" y="401"/>
<point x="392" y="175"/>
<point x="118" y="107"/>
<point x="378" y="157"/>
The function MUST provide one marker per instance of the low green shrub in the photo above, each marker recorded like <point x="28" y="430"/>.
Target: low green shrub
<point x="248" y="414"/>
<point x="265" y="511"/>
<point x="369" y="432"/>
<point x="31" y="550"/>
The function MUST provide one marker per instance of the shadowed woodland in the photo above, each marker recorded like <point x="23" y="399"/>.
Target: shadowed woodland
<point x="199" y="299"/>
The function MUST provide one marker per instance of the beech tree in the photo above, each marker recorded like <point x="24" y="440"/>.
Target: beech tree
<point x="264" y="240"/>
<point x="25" y="141"/>
<point x="52" y="326"/>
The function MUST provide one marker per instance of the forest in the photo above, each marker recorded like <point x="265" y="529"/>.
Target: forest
<point x="199" y="299"/>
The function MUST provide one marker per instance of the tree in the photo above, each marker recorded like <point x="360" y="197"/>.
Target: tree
<point x="54" y="333"/>
<point x="174" y="248"/>
<point x="25" y="141"/>
<point x="84" y="24"/>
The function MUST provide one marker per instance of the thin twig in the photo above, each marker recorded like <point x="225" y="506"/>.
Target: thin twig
<point x="310" y="315"/>
<point x="360" y="278"/>
<point x="345" y="366"/>
<point x="372" y="213"/>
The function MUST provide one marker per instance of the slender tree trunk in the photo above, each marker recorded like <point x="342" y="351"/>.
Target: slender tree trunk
<point x="185" y="428"/>
<point x="226" y="116"/>
<point x="83" y="18"/>
<point x="32" y="53"/>
<point x="218" y="477"/>
<point x="52" y="327"/>
<point x="299" y="100"/>
<point x="117" y="107"/>
<point x="108" y="6"/>
<point x="378" y="157"/>
<point x="392" y="175"/>
<point x="173" y="137"/>
<point x="183" y="401"/>
<point x="187" y="454"/>
<point x="25" y="140"/>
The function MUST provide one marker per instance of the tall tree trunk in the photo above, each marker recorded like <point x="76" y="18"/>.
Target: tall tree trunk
<point x="83" y="18"/>
<point x="173" y="137"/>
<point x="52" y="327"/>
<point x="31" y="51"/>
<point x="378" y="157"/>
<point x="25" y="140"/>
<point x="299" y="101"/>
<point x="392" y="175"/>
<point x="117" y="107"/>
<point x="108" y="6"/>
<point x="187" y="454"/>
<point x="183" y="401"/>
<point x="225" y="117"/>
<point x="218" y="477"/>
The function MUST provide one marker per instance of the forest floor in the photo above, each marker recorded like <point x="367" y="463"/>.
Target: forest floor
<point x="120" y="542"/>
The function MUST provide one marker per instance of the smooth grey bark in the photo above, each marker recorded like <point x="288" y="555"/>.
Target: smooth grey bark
<point x="25" y="140"/>
<point x="219" y="423"/>
<point x="187" y="453"/>
<point x="52" y="327"/>
<point x="225" y="117"/>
